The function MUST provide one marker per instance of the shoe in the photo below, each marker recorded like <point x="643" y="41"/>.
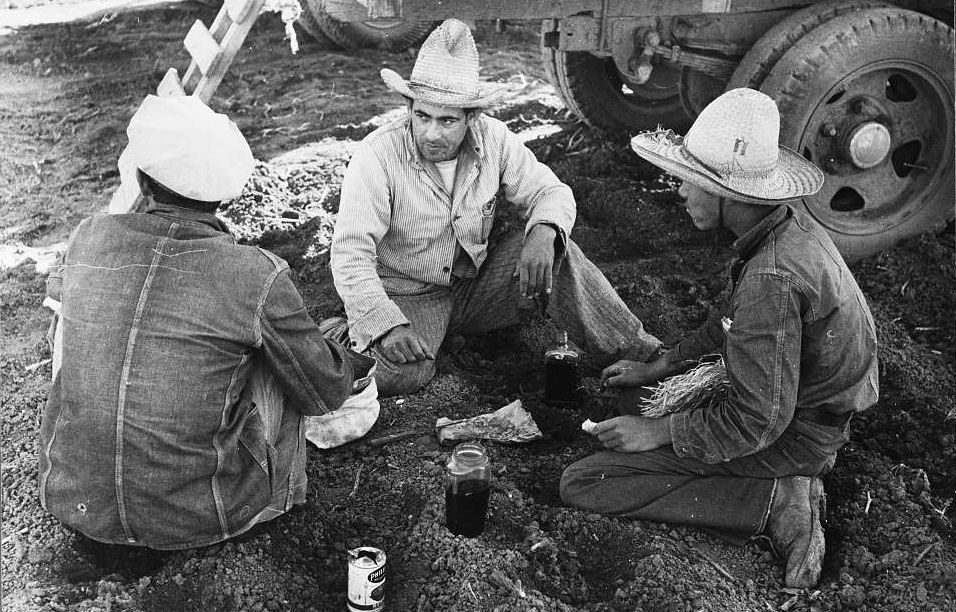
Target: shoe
<point x="335" y="329"/>
<point x="795" y="530"/>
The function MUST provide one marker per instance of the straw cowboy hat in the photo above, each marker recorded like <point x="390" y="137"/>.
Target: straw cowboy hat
<point x="446" y="71"/>
<point x="732" y="150"/>
<point x="188" y="148"/>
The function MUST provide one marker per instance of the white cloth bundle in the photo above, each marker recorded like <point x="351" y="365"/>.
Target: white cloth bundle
<point x="350" y="422"/>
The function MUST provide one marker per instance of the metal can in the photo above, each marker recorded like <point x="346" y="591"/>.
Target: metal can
<point x="366" y="579"/>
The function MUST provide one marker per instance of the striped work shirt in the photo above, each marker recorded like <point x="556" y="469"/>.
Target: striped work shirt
<point x="398" y="223"/>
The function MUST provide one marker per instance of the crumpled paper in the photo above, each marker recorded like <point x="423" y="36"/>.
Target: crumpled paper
<point x="511" y="423"/>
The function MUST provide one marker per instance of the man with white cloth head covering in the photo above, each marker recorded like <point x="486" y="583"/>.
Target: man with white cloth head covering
<point x="798" y="342"/>
<point x="157" y="432"/>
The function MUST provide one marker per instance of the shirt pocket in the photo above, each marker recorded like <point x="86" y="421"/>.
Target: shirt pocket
<point x="488" y="218"/>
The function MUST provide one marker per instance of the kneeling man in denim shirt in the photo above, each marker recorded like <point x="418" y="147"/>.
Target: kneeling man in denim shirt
<point x="798" y="342"/>
<point x="186" y="362"/>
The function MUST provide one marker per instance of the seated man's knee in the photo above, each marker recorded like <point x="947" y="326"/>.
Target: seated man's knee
<point x="403" y="378"/>
<point x="571" y="486"/>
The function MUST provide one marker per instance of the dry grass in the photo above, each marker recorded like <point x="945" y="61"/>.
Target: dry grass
<point x="704" y="386"/>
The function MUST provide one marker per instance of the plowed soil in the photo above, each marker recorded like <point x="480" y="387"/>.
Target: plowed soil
<point x="66" y="95"/>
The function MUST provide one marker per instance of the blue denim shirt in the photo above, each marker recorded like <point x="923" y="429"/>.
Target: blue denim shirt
<point x="796" y="335"/>
<point x="144" y="439"/>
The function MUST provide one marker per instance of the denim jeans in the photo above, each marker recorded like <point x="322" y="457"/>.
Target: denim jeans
<point x="729" y="499"/>
<point x="582" y="302"/>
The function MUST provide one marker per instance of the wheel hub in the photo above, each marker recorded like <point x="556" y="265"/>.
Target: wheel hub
<point x="868" y="145"/>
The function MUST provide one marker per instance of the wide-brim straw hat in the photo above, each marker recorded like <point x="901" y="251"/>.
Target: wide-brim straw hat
<point x="732" y="150"/>
<point x="446" y="71"/>
<point x="188" y="148"/>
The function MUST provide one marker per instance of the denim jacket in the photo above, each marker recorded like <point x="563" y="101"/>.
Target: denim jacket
<point x="144" y="439"/>
<point x="796" y="335"/>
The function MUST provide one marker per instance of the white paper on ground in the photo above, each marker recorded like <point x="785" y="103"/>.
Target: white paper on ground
<point x="511" y="423"/>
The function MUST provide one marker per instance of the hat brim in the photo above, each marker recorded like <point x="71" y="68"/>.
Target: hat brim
<point x="430" y="95"/>
<point x="791" y="179"/>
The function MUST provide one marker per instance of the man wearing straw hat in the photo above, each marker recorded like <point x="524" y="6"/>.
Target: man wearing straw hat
<point x="413" y="255"/>
<point x="162" y="429"/>
<point x="797" y="339"/>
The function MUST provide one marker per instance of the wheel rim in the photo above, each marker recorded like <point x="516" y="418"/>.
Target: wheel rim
<point x="379" y="25"/>
<point x="663" y="87"/>
<point x="383" y="25"/>
<point x="883" y="160"/>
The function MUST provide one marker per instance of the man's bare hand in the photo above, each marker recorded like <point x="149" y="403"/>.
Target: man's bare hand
<point x="627" y="373"/>
<point x="536" y="261"/>
<point x="403" y="345"/>
<point x="632" y="433"/>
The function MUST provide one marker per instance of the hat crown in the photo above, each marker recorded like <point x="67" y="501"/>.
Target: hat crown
<point x="737" y="134"/>
<point x="448" y="60"/>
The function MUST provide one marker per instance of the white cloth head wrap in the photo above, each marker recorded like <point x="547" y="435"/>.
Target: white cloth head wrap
<point x="191" y="150"/>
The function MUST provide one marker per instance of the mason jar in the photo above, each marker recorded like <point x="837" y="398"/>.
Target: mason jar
<point x="467" y="488"/>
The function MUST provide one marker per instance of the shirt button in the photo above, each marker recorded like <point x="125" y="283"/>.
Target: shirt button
<point x="354" y="343"/>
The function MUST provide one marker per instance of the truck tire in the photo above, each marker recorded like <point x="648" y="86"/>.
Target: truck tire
<point x="392" y="35"/>
<point x="310" y="26"/>
<point x="592" y="88"/>
<point x="767" y="51"/>
<point x="869" y="97"/>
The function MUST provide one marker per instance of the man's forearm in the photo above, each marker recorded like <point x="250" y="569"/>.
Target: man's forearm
<point x="371" y="313"/>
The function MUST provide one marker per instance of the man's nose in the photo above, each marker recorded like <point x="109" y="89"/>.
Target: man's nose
<point x="433" y="131"/>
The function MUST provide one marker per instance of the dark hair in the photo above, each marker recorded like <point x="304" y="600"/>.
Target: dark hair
<point x="164" y="195"/>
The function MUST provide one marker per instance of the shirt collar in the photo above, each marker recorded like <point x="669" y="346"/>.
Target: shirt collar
<point x="748" y="243"/>
<point x="180" y="213"/>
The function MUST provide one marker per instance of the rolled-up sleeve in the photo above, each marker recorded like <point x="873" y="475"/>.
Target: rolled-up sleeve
<point x="762" y="356"/>
<point x="533" y="187"/>
<point x="363" y="219"/>
<point x="315" y="374"/>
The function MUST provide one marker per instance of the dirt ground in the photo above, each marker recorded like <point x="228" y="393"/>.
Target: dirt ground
<point x="66" y="95"/>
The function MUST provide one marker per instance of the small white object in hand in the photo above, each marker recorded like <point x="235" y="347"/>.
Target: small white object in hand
<point x="588" y="426"/>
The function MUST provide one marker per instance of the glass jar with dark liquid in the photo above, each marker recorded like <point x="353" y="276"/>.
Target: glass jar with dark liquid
<point x="467" y="487"/>
<point x="561" y="377"/>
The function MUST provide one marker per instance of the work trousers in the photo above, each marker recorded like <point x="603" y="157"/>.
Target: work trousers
<point x="730" y="499"/>
<point x="582" y="302"/>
